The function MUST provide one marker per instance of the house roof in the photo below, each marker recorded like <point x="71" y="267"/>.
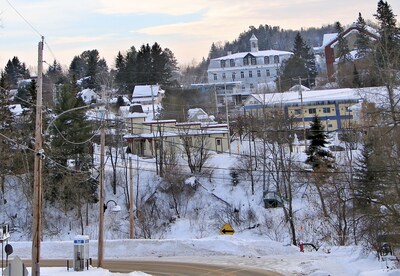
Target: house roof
<point x="255" y="54"/>
<point x="141" y="91"/>
<point x="308" y="96"/>
<point x="377" y="95"/>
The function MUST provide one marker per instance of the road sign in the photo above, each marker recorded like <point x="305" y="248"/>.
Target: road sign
<point x="227" y="229"/>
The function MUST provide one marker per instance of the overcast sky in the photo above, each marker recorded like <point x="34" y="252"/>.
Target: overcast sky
<point x="187" y="27"/>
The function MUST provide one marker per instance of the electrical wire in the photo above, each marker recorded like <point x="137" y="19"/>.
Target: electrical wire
<point x="26" y="21"/>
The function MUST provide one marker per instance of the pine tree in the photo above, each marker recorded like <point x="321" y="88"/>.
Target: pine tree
<point x="387" y="55"/>
<point x="362" y="43"/>
<point x="70" y="140"/>
<point x="300" y="64"/>
<point x="15" y="71"/>
<point x="343" y="51"/>
<point x="317" y="154"/>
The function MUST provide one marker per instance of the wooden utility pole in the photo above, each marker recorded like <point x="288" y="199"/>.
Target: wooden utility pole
<point x="37" y="180"/>
<point x="227" y="117"/>
<point x="102" y="179"/>
<point x="302" y="112"/>
<point x="131" y="225"/>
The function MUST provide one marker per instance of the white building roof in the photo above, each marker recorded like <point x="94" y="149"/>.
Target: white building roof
<point x="377" y="95"/>
<point x="141" y="91"/>
<point x="256" y="54"/>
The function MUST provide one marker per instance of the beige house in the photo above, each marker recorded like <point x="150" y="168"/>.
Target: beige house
<point x="144" y="136"/>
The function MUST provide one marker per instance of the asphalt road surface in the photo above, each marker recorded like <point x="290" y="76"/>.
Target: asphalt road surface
<point x="159" y="268"/>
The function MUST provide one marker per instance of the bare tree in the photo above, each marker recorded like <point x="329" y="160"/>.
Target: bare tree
<point x="195" y="147"/>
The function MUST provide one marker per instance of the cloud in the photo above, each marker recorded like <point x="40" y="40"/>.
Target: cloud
<point x="82" y="39"/>
<point x="171" y="7"/>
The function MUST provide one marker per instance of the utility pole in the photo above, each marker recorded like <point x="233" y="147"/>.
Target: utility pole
<point x="227" y="117"/>
<point x="302" y="111"/>
<point x="131" y="225"/>
<point x="100" y="256"/>
<point x="37" y="180"/>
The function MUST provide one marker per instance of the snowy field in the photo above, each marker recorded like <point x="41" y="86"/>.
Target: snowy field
<point x="242" y="250"/>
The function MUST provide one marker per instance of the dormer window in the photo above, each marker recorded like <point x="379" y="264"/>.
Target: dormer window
<point x="223" y="63"/>
<point x="276" y="59"/>
<point x="266" y="60"/>
<point x="245" y="61"/>
<point x="253" y="61"/>
<point x="232" y="63"/>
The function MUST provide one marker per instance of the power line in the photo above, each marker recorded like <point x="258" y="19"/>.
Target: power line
<point x="26" y="21"/>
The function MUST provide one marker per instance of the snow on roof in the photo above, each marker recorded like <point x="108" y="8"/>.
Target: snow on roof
<point x="145" y="91"/>
<point x="136" y="115"/>
<point x="308" y="96"/>
<point x="142" y="99"/>
<point x="256" y="54"/>
<point x="297" y="87"/>
<point x="377" y="95"/>
<point x="327" y="38"/>
<point x="16" y="109"/>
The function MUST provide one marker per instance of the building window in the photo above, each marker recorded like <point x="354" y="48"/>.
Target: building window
<point x="251" y="86"/>
<point x="215" y="77"/>
<point x="222" y="63"/>
<point x="276" y="59"/>
<point x="250" y="74"/>
<point x="245" y="61"/>
<point x="242" y="74"/>
<point x="297" y="111"/>
<point x="266" y="60"/>
<point x="326" y="110"/>
<point x="243" y="87"/>
<point x="253" y="61"/>
<point x="259" y="73"/>
<point x="218" y="142"/>
<point x="233" y="76"/>
<point x="268" y="73"/>
<point x="312" y="110"/>
<point x="232" y="63"/>
<point x="223" y="76"/>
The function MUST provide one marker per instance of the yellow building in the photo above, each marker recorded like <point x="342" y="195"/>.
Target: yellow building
<point x="331" y="106"/>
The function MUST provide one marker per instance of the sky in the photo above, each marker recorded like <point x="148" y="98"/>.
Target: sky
<point x="188" y="28"/>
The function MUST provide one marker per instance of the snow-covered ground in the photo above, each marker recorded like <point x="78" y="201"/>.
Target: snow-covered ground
<point x="261" y="239"/>
<point x="239" y="249"/>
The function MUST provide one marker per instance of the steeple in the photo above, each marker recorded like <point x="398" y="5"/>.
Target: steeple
<point x="253" y="43"/>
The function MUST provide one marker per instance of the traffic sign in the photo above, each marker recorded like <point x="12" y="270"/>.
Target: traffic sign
<point x="227" y="229"/>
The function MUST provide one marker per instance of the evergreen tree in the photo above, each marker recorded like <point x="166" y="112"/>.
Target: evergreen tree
<point x="144" y="65"/>
<point x="15" y="71"/>
<point x="369" y="174"/>
<point x="71" y="130"/>
<point x="387" y="55"/>
<point x="90" y="69"/>
<point x="343" y="51"/>
<point x="317" y="154"/>
<point x="77" y="68"/>
<point x="362" y="43"/>
<point x="300" y="65"/>
<point x="55" y="73"/>
<point x="389" y="35"/>
<point x="70" y="141"/>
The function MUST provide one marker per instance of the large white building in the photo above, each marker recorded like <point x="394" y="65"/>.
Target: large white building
<point x="244" y="72"/>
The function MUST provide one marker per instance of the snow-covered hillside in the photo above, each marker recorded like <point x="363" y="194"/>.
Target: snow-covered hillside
<point x="188" y="224"/>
